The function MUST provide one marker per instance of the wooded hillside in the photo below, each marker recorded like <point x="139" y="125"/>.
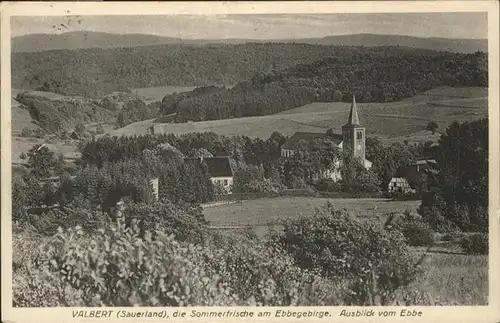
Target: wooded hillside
<point x="372" y="74"/>
<point x="94" y="72"/>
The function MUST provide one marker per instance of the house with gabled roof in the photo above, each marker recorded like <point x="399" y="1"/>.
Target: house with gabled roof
<point x="219" y="169"/>
<point x="408" y="179"/>
<point x="352" y="139"/>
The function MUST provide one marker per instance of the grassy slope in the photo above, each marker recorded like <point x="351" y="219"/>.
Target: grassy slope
<point x="443" y="105"/>
<point x="455" y="279"/>
<point x="410" y="116"/>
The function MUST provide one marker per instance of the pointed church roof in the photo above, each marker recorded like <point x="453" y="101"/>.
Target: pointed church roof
<point x="353" y="115"/>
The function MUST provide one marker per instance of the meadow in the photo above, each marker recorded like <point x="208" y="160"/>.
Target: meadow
<point x="150" y="94"/>
<point x="271" y="210"/>
<point x="454" y="279"/>
<point x="442" y="105"/>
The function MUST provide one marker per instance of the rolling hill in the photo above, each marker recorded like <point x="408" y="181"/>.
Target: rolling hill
<point x="394" y="121"/>
<point x="455" y="45"/>
<point x="84" y="39"/>
<point x="92" y="39"/>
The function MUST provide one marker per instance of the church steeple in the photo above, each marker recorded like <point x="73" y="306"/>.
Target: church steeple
<point x="353" y="134"/>
<point x="353" y="115"/>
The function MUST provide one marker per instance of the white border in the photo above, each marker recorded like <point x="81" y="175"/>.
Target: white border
<point x="490" y="313"/>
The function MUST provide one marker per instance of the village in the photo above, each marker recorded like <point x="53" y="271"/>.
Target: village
<point x="344" y="170"/>
<point x="405" y="182"/>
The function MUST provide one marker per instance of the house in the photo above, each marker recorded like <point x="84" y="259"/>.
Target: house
<point x="289" y="146"/>
<point x="352" y="139"/>
<point x="400" y="185"/>
<point x="219" y="169"/>
<point x="408" y="179"/>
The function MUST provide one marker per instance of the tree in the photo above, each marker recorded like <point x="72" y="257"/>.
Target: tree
<point x="41" y="161"/>
<point x="278" y="138"/>
<point x="463" y="177"/>
<point x="355" y="177"/>
<point x="432" y="126"/>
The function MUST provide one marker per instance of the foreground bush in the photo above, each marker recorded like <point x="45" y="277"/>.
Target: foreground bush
<point x="475" y="244"/>
<point x="373" y="261"/>
<point x="329" y="259"/>
<point x="416" y="231"/>
<point x="117" y="266"/>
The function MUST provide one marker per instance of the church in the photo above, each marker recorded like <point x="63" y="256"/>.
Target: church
<point x="352" y="139"/>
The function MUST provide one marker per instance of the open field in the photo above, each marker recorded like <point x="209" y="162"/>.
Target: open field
<point x="454" y="279"/>
<point x="271" y="210"/>
<point x="20" y="117"/>
<point x="19" y="145"/>
<point x="443" y="105"/>
<point x="150" y="94"/>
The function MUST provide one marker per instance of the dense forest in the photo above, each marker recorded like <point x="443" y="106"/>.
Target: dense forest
<point x="95" y="72"/>
<point x="372" y="74"/>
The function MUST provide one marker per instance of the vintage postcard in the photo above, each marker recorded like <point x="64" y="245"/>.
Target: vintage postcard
<point x="254" y="161"/>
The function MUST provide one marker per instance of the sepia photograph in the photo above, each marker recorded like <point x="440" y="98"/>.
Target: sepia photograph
<point x="255" y="160"/>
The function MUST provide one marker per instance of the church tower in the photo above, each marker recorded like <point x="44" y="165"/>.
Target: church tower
<point x="353" y="134"/>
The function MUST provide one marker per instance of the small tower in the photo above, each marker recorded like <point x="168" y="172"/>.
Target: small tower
<point x="353" y="134"/>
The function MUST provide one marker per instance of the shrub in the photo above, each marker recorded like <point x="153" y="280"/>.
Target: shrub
<point x="476" y="243"/>
<point x="373" y="261"/>
<point x="100" y="129"/>
<point x="327" y="185"/>
<point x="416" y="231"/>
<point x="434" y="216"/>
<point x="118" y="267"/>
<point x="264" y="275"/>
<point x="184" y="222"/>
<point x="49" y="221"/>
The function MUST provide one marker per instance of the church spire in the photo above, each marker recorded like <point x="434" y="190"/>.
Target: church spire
<point x="353" y="115"/>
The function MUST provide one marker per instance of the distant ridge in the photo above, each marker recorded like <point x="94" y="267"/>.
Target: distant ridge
<point x="91" y="39"/>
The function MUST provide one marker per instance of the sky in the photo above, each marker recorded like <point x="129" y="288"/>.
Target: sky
<point x="264" y="26"/>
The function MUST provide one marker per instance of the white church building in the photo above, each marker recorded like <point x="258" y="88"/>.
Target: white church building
<point x="353" y="139"/>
